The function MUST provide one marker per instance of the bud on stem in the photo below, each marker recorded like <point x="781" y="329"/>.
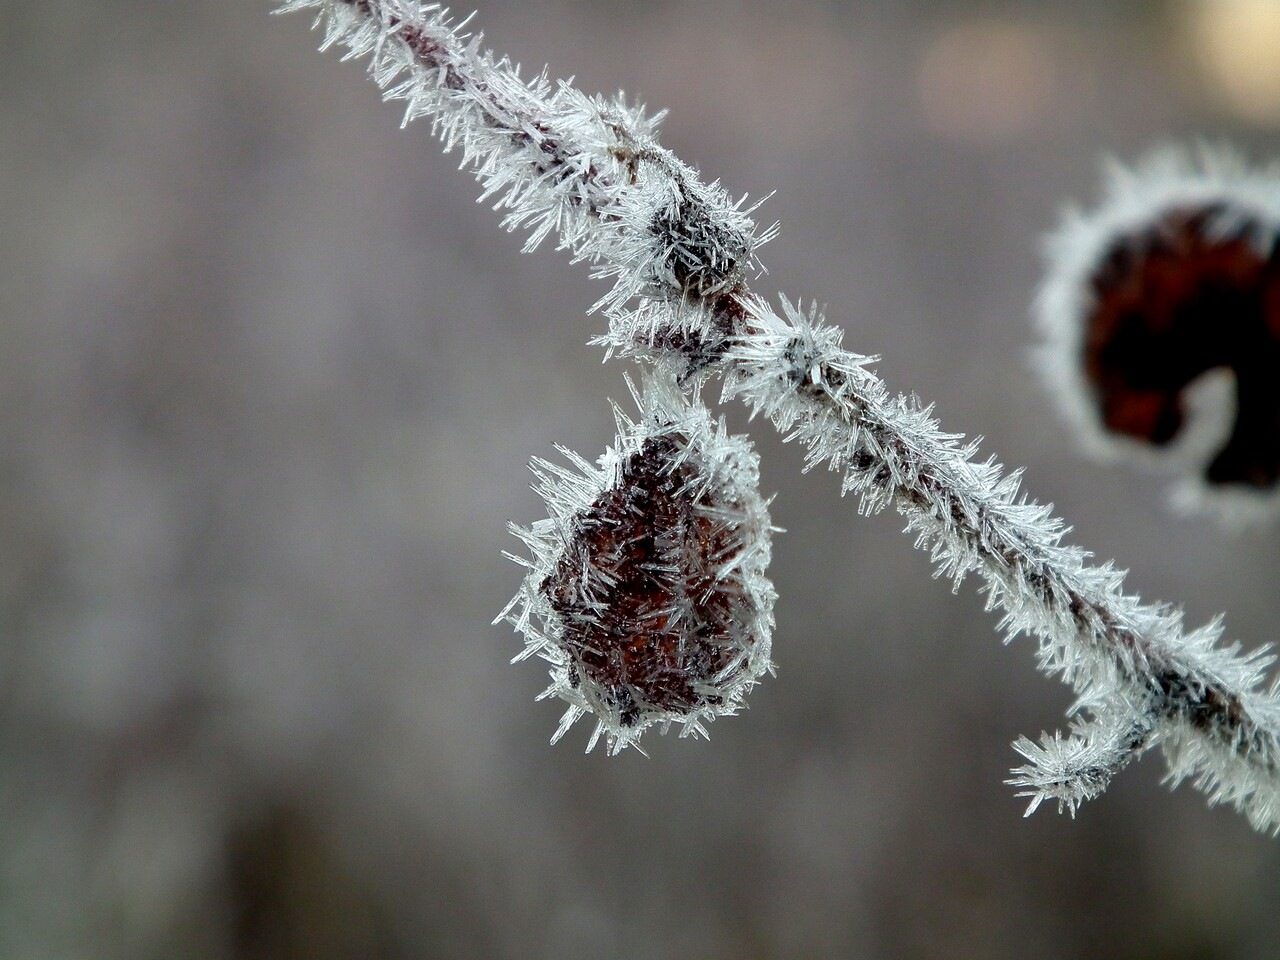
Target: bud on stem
<point x="646" y="589"/>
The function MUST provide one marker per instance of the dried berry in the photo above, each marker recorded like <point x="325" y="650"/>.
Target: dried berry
<point x="647" y="590"/>
<point x="1177" y="275"/>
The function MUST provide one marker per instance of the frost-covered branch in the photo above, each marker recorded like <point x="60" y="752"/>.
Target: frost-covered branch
<point x="1136" y="669"/>
<point x="679" y="253"/>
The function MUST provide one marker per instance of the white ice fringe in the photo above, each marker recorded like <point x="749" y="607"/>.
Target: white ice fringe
<point x="679" y="252"/>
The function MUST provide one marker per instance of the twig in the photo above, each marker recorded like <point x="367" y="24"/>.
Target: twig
<point x="679" y="253"/>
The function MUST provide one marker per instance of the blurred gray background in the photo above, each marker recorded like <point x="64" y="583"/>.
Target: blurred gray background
<point x="269" y="379"/>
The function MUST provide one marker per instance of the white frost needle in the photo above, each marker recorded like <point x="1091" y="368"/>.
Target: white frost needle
<point x="679" y="253"/>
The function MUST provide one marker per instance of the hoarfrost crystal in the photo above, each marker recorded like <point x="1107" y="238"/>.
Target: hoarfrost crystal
<point x="646" y="589"/>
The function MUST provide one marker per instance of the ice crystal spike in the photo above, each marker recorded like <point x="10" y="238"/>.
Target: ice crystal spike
<point x="646" y="589"/>
<point x="1176" y="274"/>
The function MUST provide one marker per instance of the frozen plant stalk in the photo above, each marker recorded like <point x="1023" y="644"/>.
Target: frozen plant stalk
<point x="679" y="252"/>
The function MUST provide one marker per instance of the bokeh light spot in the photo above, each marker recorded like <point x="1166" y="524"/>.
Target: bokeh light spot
<point x="985" y="81"/>
<point x="1237" y="44"/>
